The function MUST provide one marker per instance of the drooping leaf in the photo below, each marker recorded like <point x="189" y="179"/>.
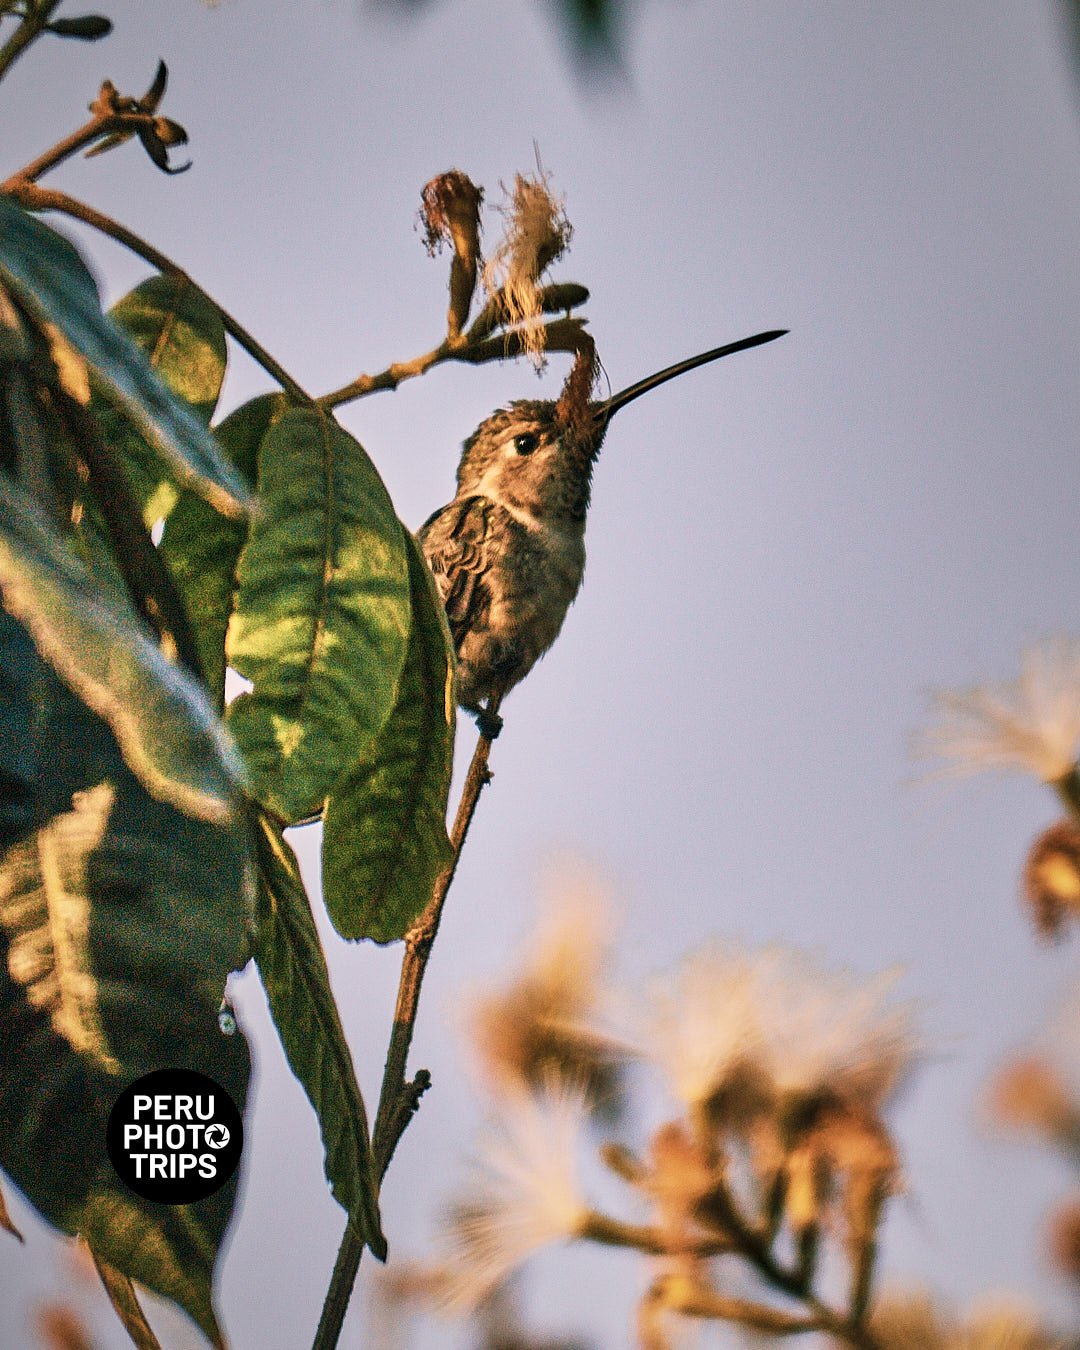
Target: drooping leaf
<point x="321" y="619"/>
<point x="162" y="720"/>
<point x="5" y="1220"/>
<point x="49" y="275"/>
<point x="201" y="547"/>
<point x="183" y="338"/>
<point x="20" y="672"/>
<point x="126" y="1305"/>
<point x="294" y="973"/>
<point x="384" y="836"/>
<point x="116" y="937"/>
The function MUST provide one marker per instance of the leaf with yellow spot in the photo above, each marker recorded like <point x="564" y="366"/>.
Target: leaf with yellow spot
<point x="320" y="624"/>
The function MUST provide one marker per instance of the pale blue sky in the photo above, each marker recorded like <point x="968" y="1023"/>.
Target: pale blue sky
<point x="786" y="550"/>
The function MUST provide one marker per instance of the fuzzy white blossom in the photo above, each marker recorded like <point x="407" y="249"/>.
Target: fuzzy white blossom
<point x="772" y="1016"/>
<point x="524" y="1195"/>
<point x="830" y="1031"/>
<point x="698" y="1025"/>
<point x="535" y="1025"/>
<point x="1031" y="724"/>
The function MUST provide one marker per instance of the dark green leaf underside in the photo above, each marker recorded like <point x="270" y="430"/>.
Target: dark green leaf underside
<point x="48" y="274"/>
<point x="182" y="337"/>
<point x="160" y="717"/>
<point x="385" y="839"/>
<point x="115" y="942"/>
<point x="294" y="973"/>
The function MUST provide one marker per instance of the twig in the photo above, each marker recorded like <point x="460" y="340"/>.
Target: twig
<point x="398" y="1098"/>
<point x="36" y="198"/>
<point x="725" y="1213"/>
<point x="32" y="26"/>
<point x="477" y="346"/>
<point x="100" y="125"/>
<point x="648" y="1238"/>
<point x="418" y="944"/>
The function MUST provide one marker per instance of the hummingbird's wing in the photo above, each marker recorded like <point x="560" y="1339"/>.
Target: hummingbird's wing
<point x="455" y="543"/>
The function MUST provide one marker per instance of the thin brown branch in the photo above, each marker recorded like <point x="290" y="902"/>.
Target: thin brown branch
<point x="36" y="198"/>
<point x="31" y="28"/>
<point x="418" y="943"/>
<point x="97" y="127"/>
<point x="724" y="1213"/>
<point x="476" y="345"/>
<point x="562" y="335"/>
<point x="691" y="1299"/>
<point x="399" y="1097"/>
<point x="389" y="378"/>
<point x="608" y="1232"/>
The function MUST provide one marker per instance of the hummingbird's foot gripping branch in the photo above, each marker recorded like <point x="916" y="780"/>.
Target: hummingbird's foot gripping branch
<point x="489" y="724"/>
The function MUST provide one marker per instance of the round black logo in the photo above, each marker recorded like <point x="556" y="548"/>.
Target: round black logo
<point x="174" y="1136"/>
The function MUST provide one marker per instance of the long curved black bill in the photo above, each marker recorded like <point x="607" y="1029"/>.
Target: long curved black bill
<point x="610" y="406"/>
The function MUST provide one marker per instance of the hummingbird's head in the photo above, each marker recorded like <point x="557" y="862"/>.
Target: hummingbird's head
<point x="532" y="461"/>
<point x="524" y="456"/>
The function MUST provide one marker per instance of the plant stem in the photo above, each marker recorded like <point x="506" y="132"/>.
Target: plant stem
<point x="608" y="1232"/>
<point x="418" y="943"/>
<point x="399" y="1098"/>
<point x="97" y="127"/>
<point x="28" y="30"/>
<point x="36" y="198"/>
<point x="563" y="335"/>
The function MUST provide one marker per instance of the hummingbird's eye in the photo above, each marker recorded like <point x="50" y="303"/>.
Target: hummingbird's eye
<point x="526" y="443"/>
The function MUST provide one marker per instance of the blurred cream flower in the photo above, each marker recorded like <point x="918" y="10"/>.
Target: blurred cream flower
<point x="741" y="1022"/>
<point x="699" y="1025"/>
<point x="524" y="1195"/>
<point x="535" y="1026"/>
<point x="831" y="1033"/>
<point x="1031" y="724"/>
<point x="913" y="1323"/>
<point x="1004" y="1326"/>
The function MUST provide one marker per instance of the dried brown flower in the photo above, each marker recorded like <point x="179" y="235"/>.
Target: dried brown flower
<point x="573" y="410"/>
<point x="537" y="234"/>
<point x="533" y="1029"/>
<point x="59" y="1327"/>
<point x="450" y="213"/>
<point x="1052" y="878"/>
<point x="1064" y="1239"/>
<point x="1029" y="1094"/>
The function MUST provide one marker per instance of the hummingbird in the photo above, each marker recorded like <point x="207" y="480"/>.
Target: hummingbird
<point x="508" y="553"/>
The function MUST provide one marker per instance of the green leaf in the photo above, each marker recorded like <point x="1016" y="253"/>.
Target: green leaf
<point x="297" y="982"/>
<point x="384" y="836"/>
<point x="321" y="619"/>
<point x="161" y="718"/>
<point x="183" y="338"/>
<point x="201" y="547"/>
<point x="49" y="275"/>
<point x="119" y="921"/>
